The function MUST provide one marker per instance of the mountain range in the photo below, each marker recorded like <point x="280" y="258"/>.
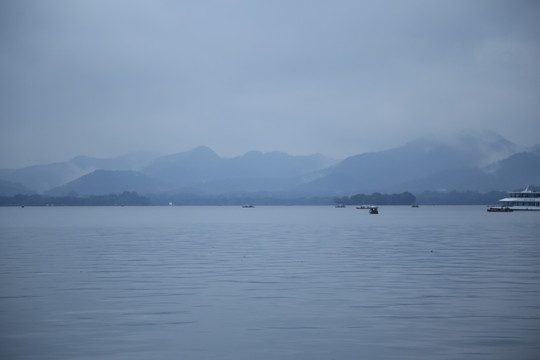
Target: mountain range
<point x="478" y="163"/>
<point x="41" y="178"/>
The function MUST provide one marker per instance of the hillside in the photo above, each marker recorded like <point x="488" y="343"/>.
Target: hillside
<point x="41" y="178"/>
<point x="8" y="188"/>
<point x="420" y="165"/>
<point x="103" y="182"/>
<point x="385" y="170"/>
<point x="203" y="171"/>
<point x="430" y="165"/>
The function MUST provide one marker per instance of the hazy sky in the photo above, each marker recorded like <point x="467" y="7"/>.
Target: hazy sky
<point x="103" y="78"/>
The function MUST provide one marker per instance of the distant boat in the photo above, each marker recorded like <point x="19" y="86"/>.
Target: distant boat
<point x="248" y="206"/>
<point x="374" y="210"/>
<point x="363" y="207"/>
<point x="340" y="206"/>
<point x="414" y="205"/>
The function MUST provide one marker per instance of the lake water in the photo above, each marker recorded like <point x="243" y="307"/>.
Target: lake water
<point x="269" y="283"/>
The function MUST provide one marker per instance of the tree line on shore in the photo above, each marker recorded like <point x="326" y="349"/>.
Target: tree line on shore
<point x="128" y="198"/>
<point x="405" y="198"/>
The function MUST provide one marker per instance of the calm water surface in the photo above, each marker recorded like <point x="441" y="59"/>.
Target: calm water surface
<point x="269" y="283"/>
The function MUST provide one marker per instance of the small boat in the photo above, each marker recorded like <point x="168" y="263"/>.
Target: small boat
<point x="248" y="206"/>
<point x="499" y="209"/>
<point x="374" y="210"/>
<point x="363" y="207"/>
<point x="414" y="205"/>
<point x="340" y="206"/>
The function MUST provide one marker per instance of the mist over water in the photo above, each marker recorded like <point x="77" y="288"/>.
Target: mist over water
<point x="268" y="283"/>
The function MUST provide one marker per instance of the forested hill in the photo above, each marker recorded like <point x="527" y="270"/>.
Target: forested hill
<point x="405" y="198"/>
<point x="125" y="199"/>
<point x="133" y="199"/>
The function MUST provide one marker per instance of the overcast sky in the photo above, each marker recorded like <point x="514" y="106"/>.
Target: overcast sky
<point x="104" y="78"/>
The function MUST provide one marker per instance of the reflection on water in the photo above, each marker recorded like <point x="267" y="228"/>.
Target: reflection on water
<point x="269" y="283"/>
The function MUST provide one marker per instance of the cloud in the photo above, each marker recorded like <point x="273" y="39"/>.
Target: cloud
<point x="107" y="77"/>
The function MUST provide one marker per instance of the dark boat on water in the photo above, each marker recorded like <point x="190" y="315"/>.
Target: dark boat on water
<point x="499" y="209"/>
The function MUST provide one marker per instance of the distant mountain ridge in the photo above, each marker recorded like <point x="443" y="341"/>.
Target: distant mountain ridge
<point x="378" y="171"/>
<point x="202" y="171"/>
<point x="41" y="178"/>
<point x="423" y="164"/>
<point x="8" y="188"/>
<point x="514" y="172"/>
<point x="464" y="163"/>
<point x="103" y="182"/>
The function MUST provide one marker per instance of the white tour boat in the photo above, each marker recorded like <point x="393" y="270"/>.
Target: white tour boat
<point x="522" y="200"/>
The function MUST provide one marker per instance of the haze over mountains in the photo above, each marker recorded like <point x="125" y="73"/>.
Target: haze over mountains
<point x="40" y="178"/>
<point x="479" y="163"/>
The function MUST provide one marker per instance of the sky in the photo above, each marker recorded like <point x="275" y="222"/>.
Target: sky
<point x="103" y="78"/>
